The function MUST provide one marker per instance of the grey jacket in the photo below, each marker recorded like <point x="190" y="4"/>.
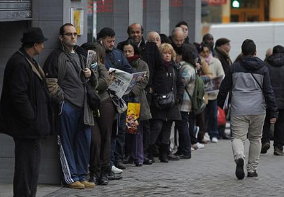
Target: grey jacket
<point x="55" y="69"/>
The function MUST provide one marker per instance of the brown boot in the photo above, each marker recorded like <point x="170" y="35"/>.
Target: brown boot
<point x="76" y="185"/>
<point x="88" y="184"/>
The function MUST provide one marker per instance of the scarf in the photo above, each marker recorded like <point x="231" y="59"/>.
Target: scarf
<point x="134" y="57"/>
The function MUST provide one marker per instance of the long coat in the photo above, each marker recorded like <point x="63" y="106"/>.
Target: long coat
<point x="139" y="65"/>
<point x="25" y="110"/>
<point x="166" y="79"/>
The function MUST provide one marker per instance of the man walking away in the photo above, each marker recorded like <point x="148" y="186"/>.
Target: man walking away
<point x="249" y="83"/>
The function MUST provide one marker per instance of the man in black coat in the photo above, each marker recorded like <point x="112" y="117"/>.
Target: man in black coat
<point x="275" y="65"/>
<point x="25" y="112"/>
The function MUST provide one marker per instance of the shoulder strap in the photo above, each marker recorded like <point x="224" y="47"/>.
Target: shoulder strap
<point x="36" y="69"/>
<point x="256" y="81"/>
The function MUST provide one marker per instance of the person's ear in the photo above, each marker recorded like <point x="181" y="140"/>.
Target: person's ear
<point x="60" y="38"/>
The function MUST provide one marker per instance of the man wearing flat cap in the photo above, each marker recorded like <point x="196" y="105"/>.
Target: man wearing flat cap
<point x="25" y="110"/>
<point x="222" y="49"/>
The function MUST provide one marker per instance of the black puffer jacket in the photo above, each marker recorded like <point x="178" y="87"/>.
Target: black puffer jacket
<point x="275" y="65"/>
<point x="25" y="110"/>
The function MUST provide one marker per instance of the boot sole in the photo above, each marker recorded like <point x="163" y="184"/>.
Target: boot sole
<point x="240" y="169"/>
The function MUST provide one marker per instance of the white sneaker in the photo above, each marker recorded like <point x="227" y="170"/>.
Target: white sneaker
<point x="192" y="149"/>
<point x="206" y="137"/>
<point x="199" y="145"/>
<point x="116" y="170"/>
<point x="214" y="140"/>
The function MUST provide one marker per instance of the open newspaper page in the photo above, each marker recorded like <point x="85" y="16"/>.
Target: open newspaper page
<point x="136" y="77"/>
<point x="213" y="85"/>
<point x="120" y="82"/>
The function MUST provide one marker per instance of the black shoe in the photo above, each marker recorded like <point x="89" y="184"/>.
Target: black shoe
<point x="120" y="165"/>
<point x="252" y="174"/>
<point x="173" y="157"/>
<point x="114" y="176"/>
<point x="103" y="179"/>
<point x="147" y="161"/>
<point x="265" y="147"/>
<point x="138" y="164"/>
<point x="185" y="156"/>
<point x="278" y="152"/>
<point x="240" y="168"/>
<point x="128" y="160"/>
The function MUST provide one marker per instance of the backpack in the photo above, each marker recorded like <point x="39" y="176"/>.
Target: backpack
<point x="197" y="99"/>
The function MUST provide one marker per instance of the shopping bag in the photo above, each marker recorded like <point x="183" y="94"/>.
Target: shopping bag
<point x="132" y="116"/>
<point x="221" y="117"/>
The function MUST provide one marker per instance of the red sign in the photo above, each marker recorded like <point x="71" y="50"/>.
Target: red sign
<point x="216" y="2"/>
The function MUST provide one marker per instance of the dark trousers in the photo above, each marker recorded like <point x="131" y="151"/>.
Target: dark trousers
<point x="101" y="140"/>
<point x="200" y="122"/>
<point x="134" y="144"/>
<point x="74" y="141"/>
<point x="278" y="130"/>
<point x="212" y="121"/>
<point x="27" y="164"/>
<point x="191" y="121"/>
<point x="160" y="129"/>
<point x="146" y="136"/>
<point x="184" y="137"/>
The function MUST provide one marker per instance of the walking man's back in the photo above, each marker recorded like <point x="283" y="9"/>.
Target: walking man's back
<point x="249" y="83"/>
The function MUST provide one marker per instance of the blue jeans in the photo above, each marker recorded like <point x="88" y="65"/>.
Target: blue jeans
<point x="184" y="137"/>
<point x="212" y="121"/>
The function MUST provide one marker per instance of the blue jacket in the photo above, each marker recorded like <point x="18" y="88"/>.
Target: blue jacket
<point x="116" y="59"/>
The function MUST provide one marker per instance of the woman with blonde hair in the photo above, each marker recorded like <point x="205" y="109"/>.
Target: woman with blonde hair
<point x="166" y="84"/>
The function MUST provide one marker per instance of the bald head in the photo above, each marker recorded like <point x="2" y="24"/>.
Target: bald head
<point x="135" y="32"/>
<point x="178" y="36"/>
<point x="154" y="37"/>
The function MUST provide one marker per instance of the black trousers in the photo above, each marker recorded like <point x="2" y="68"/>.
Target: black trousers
<point x="278" y="130"/>
<point x="27" y="164"/>
<point x="101" y="140"/>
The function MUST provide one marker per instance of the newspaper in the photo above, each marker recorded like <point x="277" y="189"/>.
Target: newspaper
<point x="214" y="84"/>
<point x="124" y="82"/>
<point x="91" y="58"/>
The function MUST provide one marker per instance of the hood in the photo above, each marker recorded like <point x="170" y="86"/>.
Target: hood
<point x="276" y="60"/>
<point x="251" y="63"/>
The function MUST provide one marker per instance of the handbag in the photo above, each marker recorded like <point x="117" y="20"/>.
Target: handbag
<point x="119" y="103"/>
<point x="93" y="98"/>
<point x="164" y="101"/>
<point x="132" y="117"/>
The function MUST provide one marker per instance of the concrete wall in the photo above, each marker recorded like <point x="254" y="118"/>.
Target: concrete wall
<point x="49" y="15"/>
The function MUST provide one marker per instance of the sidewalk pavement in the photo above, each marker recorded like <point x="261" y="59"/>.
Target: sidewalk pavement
<point x="210" y="172"/>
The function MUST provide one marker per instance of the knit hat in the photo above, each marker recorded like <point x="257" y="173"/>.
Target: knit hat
<point x="222" y="41"/>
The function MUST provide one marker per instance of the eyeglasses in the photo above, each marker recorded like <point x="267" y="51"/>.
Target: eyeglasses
<point x="71" y="34"/>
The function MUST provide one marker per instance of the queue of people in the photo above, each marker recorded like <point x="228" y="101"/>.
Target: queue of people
<point x="94" y="145"/>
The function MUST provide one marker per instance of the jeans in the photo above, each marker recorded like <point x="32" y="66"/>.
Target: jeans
<point x="250" y="127"/>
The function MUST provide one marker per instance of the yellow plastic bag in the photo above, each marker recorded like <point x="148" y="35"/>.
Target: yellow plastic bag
<point x="132" y="116"/>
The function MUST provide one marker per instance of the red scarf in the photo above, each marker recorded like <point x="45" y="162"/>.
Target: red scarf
<point x="135" y="57"/>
